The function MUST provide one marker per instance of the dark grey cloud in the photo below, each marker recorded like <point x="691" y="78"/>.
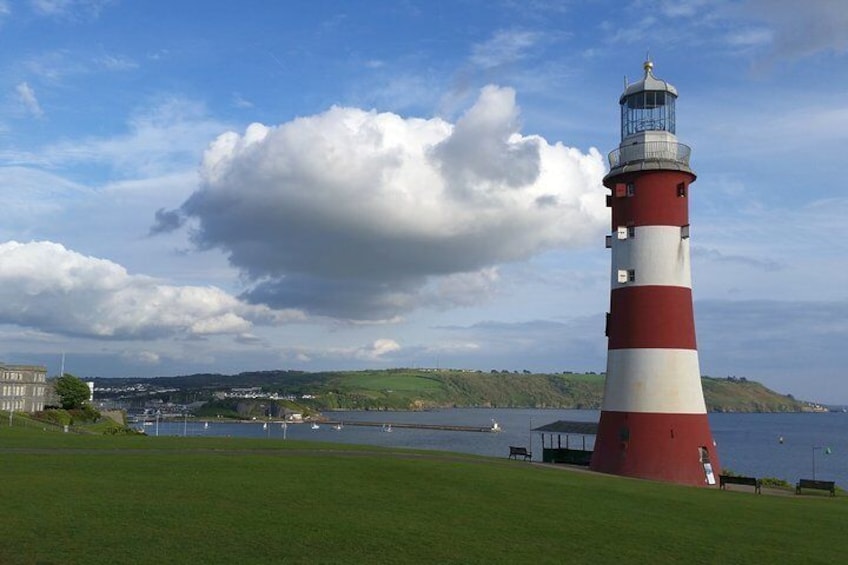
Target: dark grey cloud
<point x="788" y="345"/>
<point x="166" y="221"/>
<point x="743" y="260"/>
<point x="800" y="29"/>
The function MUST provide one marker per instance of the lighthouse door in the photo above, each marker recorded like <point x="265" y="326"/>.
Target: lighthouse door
<point x="704" y="455"/>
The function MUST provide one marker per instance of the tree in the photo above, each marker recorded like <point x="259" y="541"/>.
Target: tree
<point x="72" y="391"/>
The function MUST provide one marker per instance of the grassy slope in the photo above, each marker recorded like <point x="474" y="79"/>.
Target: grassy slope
<point x="745" y="396"/>
<point x="409" y="388"/>
<point x="71" y="499"/>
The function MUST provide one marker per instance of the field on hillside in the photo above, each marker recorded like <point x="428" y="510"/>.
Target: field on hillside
<point x="95" y="499"/>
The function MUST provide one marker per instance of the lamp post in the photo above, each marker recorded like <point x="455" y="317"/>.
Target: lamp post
<point x="825" y="450"/>
<point x="12" y="403"/>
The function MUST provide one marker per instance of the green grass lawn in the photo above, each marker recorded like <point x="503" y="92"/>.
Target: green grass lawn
<point x="86" y="499"/>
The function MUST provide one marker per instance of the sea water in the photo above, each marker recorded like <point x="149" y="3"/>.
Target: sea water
<point x="786" y="446"/>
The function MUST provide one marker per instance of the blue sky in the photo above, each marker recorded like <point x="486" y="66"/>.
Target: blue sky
<point x="220" y="186"/>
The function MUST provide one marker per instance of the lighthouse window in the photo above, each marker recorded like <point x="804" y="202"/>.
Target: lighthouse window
<point x="631" y="231"/>
<point x="608" y="241"/>
<point x="631" y="275"/>
<point x="684" y="232"/>
<point x="626" y="275"/>
<point x="647" y="111"/>
<point x="631" y="189"/>
<point x="681" y="190"/>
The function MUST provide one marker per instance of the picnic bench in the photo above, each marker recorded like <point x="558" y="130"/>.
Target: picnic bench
<point x="516" y="452"/>
<point x="734" y="480"/>
<point x="829" y="486"/>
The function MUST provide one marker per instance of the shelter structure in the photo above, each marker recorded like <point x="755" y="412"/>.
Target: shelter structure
<point x="567" y="442"/>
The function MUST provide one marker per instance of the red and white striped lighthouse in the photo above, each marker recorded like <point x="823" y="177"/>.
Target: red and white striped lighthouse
<point x="653" y="419"/>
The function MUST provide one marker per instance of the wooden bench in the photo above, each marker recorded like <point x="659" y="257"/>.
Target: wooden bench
<point x="516" y="452"/>
<point x="829" y="486"/>
<point x="732" y="480"/>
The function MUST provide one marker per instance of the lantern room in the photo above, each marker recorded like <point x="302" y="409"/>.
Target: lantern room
<point x="647" y="105"/>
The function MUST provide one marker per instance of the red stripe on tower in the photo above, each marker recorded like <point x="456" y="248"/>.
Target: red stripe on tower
<point x="654" y="421"/>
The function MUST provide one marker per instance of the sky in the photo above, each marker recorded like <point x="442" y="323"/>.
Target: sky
<point x="210" y="186"/>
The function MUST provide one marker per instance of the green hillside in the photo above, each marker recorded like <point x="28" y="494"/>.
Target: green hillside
<point x="414" y="389"/>
<point x="418" y="389"/>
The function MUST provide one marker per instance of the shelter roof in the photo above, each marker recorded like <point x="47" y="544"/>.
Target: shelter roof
<point x="567" y="427"/>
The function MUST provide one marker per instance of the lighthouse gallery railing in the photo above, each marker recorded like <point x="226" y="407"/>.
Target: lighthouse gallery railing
<point x="650" y="151"/>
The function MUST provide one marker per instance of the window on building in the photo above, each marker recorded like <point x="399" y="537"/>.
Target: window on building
<point x="681" y="190"/>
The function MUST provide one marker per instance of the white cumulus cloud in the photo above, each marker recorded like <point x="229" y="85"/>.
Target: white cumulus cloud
<point x="43" y="285"/>
<point x="351" y="213"/>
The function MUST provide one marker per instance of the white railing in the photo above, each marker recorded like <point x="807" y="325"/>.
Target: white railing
<point x="650" y="151"/>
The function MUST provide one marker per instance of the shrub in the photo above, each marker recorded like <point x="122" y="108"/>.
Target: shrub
<point x="774" y="482"/>
<point x="55" y="416"/>
<point x="85" y="414"/>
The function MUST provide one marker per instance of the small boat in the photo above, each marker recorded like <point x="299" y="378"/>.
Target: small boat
<point x="495" y="426"/>
<point x="205" y="425"/>
<point x="337" y="427"/>
<point x="316" y="427"/>
<point x="387" y="427"/>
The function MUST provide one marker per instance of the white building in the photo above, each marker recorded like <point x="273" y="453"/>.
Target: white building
<point x="22" y="387"/>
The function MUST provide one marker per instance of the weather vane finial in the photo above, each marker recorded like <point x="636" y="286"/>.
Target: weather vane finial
<point x="649" y="65"/>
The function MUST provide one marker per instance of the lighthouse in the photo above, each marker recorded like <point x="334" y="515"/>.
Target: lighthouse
<point x="653" y="421"/>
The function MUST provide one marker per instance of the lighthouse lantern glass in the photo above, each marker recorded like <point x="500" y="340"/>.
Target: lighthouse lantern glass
<point x="647" y="110"/>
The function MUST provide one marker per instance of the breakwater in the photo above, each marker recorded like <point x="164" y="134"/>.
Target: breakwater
<point x="414" y="425"/>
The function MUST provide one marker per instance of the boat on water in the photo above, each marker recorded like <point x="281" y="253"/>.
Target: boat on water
<point x="495" y="426"/>
<point x="316" y="427"/>
<point x="337" y="427"/>
<point x="387" y="427"/>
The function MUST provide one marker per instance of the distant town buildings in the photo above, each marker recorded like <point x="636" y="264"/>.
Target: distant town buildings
<point x="22" y="387"/>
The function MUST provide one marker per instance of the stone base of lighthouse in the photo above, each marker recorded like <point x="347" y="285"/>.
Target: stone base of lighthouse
<point x="665" y="447"/>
